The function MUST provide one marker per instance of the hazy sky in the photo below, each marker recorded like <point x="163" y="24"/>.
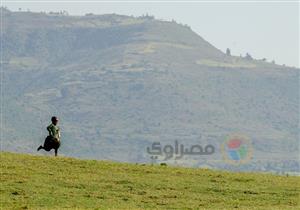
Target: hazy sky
<point x="264" y="29"/>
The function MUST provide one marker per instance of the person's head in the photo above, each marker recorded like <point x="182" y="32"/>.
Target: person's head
<point x="54" y="120"/>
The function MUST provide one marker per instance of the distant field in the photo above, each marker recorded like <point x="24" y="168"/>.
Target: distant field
<point x="37" y="182"/>
<point x="236" y="64"/>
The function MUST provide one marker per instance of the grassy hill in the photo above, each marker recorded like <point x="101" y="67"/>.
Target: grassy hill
<point x="37" y="182"/>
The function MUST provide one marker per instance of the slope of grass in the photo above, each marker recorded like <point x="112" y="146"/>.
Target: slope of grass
<point x="37" y="182"/>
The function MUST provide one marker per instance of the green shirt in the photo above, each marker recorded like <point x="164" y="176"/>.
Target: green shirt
<point x="54" y="131"/>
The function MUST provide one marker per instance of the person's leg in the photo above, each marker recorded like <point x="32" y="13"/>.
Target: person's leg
<point x="48" y="144"/>
<point x="40" y="147"/>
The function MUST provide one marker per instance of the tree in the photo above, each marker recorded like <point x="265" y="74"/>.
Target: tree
<point x="248" y="56"/>
<point x="228" y="52"/>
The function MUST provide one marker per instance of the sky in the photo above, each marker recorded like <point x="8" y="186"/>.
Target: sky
<point x="264" y="29"/>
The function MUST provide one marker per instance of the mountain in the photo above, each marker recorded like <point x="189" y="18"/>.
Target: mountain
<point x="90" y="184"/>
<point x="119" y="83"/>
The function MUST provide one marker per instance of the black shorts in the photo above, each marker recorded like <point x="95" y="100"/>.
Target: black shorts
<point x="51" y="143"/>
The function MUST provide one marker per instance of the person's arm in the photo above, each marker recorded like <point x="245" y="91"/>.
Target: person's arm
<point x="49" y="130"/>
<point x="58" y="133"/>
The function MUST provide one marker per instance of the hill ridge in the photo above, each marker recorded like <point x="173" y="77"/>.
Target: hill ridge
<point x="126" y="83"/>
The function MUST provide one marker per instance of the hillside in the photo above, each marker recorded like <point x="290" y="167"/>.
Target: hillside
<point x="119" y="83"/>
<point x="36" y="182"/>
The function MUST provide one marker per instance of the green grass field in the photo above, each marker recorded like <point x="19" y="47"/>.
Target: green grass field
<point x="38" y="182"/>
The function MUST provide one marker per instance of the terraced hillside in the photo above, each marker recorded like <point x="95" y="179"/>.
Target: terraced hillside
<point x="119" y="83"/>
